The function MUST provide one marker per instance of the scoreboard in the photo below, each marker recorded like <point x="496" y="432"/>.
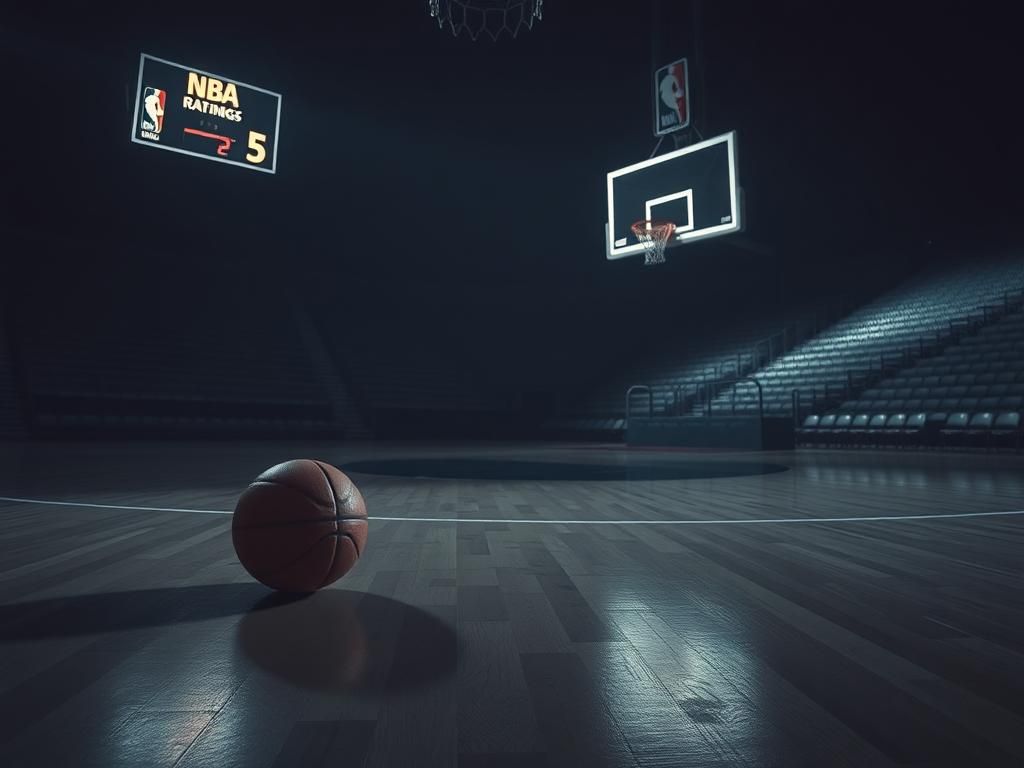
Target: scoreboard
<point x="186" y="110"/>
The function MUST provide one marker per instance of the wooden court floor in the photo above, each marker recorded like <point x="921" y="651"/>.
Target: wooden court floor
<point x="658" y="609"/>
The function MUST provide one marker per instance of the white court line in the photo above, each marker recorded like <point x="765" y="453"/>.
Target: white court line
<point x="524" y="521"/>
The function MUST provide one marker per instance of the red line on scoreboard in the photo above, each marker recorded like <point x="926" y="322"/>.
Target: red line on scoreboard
<point x="225" y="141"/>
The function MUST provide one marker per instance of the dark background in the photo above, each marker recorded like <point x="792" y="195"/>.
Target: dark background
<point x="874" y="139"/>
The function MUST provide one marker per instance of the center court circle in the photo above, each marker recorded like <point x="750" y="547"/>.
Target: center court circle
<point x="504" y="469"/>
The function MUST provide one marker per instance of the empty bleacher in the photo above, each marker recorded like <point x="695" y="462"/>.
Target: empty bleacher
<point x="905" y="326"/>
<point x="937" y="361"/>
<point x="704" y="365"/>
<point x="970" y="394"/>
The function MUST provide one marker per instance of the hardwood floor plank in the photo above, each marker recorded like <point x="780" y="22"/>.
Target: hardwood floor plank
<point x="575" y="723"/>
<point x="884" y="691"/>
<point x="34" y="698"/>
<point x="649" y="718"/>
<point x="134" y="637"/>
<point x="322" y="744"/>
<point x="481" y="604"/>
<point x="495" y="712"/>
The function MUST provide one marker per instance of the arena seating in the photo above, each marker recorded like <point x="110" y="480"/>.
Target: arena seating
<point x="910" y="323"/>
<point x="970" y="393"/>
<point x="695" y="373"/>
<point x="938" y="361"/>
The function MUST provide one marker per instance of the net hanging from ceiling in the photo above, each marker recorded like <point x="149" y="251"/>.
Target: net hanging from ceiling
<point x="493" y="18"/>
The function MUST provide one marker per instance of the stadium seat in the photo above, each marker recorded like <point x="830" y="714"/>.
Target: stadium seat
<point x="873" y="435"/>
<point x="955" y="429"/>
<point x="913" y="431"/>
<point x="807" y="431"/>
<point x="933" y="424"/>
<point x="827" y="426"/>
<point x="840" y="431"/>
<point x="979" y="429"/>
<point x="893" y="428"/>
<point x="1007" y="430"/>
<point x="858" y="428"/>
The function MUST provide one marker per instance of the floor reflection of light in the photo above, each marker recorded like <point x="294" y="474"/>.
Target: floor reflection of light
<point x="180" y="684"/>
<point x="960" y="479"/>
<point x="976" y="482"/>
<point x="158" y="737"/>
<point x="686" y="671"/>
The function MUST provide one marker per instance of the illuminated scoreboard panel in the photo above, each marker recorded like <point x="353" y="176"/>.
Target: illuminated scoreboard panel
<point x="198" y="113"/>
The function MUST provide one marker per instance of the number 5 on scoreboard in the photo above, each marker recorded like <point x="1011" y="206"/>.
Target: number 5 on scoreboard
<point x="256" y="144"/>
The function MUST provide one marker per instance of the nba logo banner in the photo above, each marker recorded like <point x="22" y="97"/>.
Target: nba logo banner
<point x="671" y="98"/>
<point x="152" y="122"/>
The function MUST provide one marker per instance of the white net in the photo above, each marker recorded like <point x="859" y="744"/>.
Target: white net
<point x="491" y="17"/>
<point x="654" y="236"/>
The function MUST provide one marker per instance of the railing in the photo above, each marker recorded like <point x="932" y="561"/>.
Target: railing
<point x="706" y="397"/>
<point x="761" y="352"/>
<point x="650" y="400"/>
<point x="708" y="404"/>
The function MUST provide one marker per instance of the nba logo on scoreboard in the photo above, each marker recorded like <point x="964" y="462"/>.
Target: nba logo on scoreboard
<point x="152" y="120"/>
<point x="671" y="98"/>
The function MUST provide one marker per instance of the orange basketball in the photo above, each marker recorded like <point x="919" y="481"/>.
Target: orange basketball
<point x="300" y="526"/>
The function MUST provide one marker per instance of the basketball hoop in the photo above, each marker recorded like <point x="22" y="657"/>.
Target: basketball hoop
<point x="653" y="236"/>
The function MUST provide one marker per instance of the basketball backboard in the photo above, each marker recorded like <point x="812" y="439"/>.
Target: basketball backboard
<point x="696" y="188"/>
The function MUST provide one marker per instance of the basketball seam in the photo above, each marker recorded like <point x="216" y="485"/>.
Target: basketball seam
<point x="338" y="516"/>
<point x="303" y="554"/>
<point x="285" y="523"/>
<point x="337" y="540"/>
<point x="297" y="489"/>
<point x="334" y="491"/>
<point x="354" y="544"/>
<point x="290" y="487"/>
<point x="329" y="517"/>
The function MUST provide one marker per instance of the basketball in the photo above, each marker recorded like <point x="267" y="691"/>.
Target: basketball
<point x="299" y="526"/>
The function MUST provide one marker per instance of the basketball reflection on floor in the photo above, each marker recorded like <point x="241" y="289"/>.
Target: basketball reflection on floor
<point x="341" y="641"/>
